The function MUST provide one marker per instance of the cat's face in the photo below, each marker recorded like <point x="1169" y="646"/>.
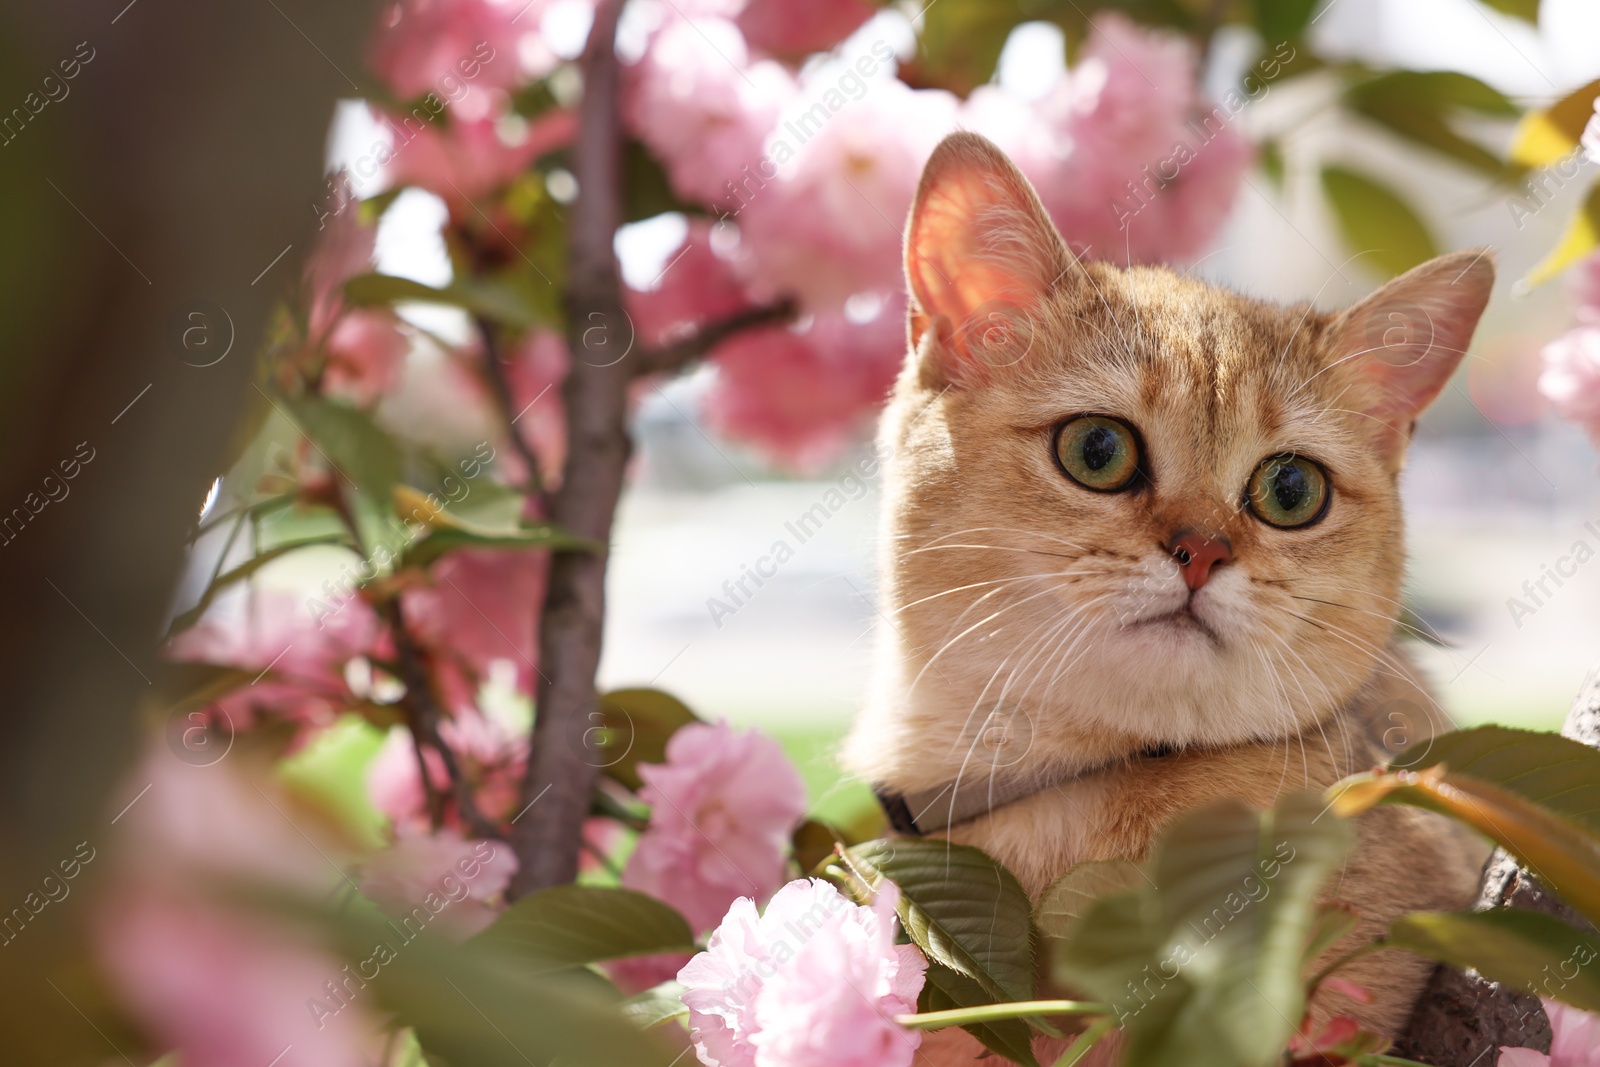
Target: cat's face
<point x="1129" y="502"/>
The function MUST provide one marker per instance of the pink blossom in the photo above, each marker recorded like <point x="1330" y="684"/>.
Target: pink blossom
<point x="218" y="982"/>
<point x="814" y="981"/>
<point x="535" y="372"/>
<point x="721" y="811"/>
<point x="802" y="395"/>
<point x="479" y="606"/>
<point x="490" y="755"/>
<point x="702" y="107"/>
<point x="697" y="285"/>
<point x="1571" y="377"/>
<point x="296" y="652"/>
<point x="363" y="354"/>
<point x="827" y="224"/>
<point x="1118" y="121"/>
<point x="439" y="45"/>
<point x="782" y="27"/>
<point x="457" y="882"/>
<point x="1574" y="1042"/>
<point x="471" y="157"/>
<point x="357" y="353"/>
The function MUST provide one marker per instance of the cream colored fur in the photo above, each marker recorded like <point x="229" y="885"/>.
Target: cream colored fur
<point x="1032" y="619"/>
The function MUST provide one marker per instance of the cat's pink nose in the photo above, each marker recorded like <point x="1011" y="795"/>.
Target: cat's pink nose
<point x="1197" y="555"/>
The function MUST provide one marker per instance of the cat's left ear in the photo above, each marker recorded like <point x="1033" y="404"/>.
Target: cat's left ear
<point x="1405" y="340"/>
<point x="980" y="255"/>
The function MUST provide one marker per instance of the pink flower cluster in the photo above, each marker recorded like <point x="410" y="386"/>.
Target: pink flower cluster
<point x="722" y="809"/>
<point x="1571" y="376"/>
<point x="818" y="168"/>
<point x="815" y="981"/>
<point x="353" y="353"/>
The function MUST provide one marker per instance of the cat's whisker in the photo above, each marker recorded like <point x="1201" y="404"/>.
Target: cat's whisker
<point x="1430" y="633"/>
<point x="990" y="548"/>
<point x="975" y="585"/>
<point x="982" y="622"/>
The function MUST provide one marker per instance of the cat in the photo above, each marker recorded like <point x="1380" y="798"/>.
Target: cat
<point x="1142" y="550"/>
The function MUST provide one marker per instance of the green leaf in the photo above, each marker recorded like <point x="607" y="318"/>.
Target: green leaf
<point x="1329" y="924"/>
<point x="486" y="297"/>
<point x="448" y="538"/>
<point x="960" y="907"/>
<point x="646" y="191"/>
<point x="656" y="1005"/>
<point x="1203" y="966"/>
<point x="1075" y="892"/>
<point x="1561" y="774"/>
<point x="1524" y="950"/>
<point x="245" y="570"/>
<point x="946" y="989"/>
<point x="1419" y="106"/>
<point x="1271" y="157"/>
<point x="1581" y="237"/>
<point x="1526" y="10"/>
<point x="575" y="925"/>
<point x="1551" y="134"/>
<point x="1374" y="220"/>
<point x="359" y="450"/>
<point x="813" y="843"/>
<point x="1563" y="854"/>
<point x="638" y="723"/>
<point x="1282" y="20"/>
<point x="476" y="1004"/>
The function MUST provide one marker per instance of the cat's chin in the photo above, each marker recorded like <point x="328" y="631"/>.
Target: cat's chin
<point x="1179" y="626"/>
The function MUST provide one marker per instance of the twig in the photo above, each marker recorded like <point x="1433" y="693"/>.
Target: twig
<point x="681" y="353"/>
<point x="423" y="716"/>
<point x="595" y="394"/>
<point x="501" y="388"/>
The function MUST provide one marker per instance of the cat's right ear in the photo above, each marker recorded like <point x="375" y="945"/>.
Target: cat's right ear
<point x="980" y="254"/>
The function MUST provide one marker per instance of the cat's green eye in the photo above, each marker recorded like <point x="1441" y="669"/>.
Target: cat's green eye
<point x="1288" y="491"/>
<point x="1098" y="453"/>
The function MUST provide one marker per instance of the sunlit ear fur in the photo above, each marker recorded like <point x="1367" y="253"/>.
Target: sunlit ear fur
<point x="979" y="248"/>
<point x="1404" y="341"/>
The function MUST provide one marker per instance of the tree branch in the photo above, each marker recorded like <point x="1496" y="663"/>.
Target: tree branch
<point x="1461" y="1018"/>
<point x="561" y="771"/>
<point x="681" y="353"/>
<point x="495" y="371"/>
<point x="423" y="716"/>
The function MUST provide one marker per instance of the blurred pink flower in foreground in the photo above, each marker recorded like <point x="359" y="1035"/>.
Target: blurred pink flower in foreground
<point x="220" y="983"/>
<point x="456" y="882"/>
<point x="721" y="811"/>
<point x="434" y="45"/>
<point x="1574" y="1042"/>
<point x="815" y="981"/>
<point x="298" y="667"/>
